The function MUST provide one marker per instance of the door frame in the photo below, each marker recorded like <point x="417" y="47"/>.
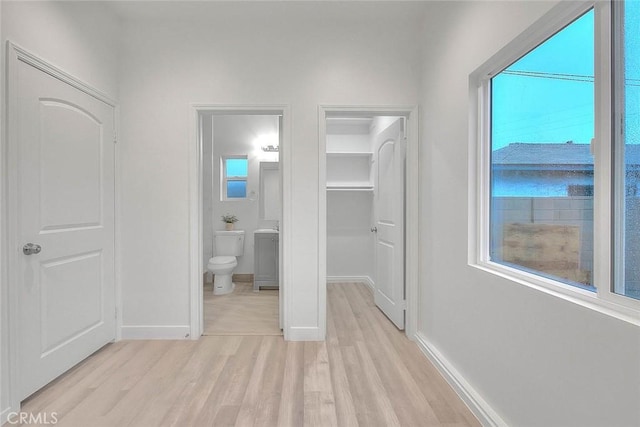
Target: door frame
<point x="9" y="208"/>
<point x="412" y="203"/>
<point x="196" y="299"/>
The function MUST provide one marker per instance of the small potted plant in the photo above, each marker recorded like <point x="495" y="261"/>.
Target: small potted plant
<point x="229" y="220"/>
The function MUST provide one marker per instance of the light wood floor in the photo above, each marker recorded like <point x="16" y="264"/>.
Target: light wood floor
<point x="367" y="373"/>
<point x="242" y="312"/>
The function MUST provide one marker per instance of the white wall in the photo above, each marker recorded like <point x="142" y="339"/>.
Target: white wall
<point x="79" y="37"/>
<point x="301" y="54"/>
<point x="536" y="359"/>
<point x="349" y="213"/>
<point x="82" y="40"/>
<point x="237" y="135"/>
<point x="349" y="240"/>
<point x="5" y="400"/>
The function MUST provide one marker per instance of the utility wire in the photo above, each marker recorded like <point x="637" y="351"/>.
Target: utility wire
<point x="562" y="76"/>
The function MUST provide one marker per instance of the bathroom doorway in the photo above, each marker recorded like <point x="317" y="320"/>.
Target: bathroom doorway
<point x="241" y="222"/>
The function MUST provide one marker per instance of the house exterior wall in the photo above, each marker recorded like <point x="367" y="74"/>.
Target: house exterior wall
<point x="632" y="247"/>
<point x="534" y="358"/>
<point x="538" y="183"/>
<point x="569" y="211"/>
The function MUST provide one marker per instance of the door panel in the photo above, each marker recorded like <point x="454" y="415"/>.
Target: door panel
<point x="389" y="219"/>
<point x="66" y="203"/>
<point x="62" y="319"/>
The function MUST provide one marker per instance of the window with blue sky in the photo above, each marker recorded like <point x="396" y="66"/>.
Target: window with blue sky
<point x="556" y="115"/>
<point x="235" y="174"/>
<point x="542" y="124"/>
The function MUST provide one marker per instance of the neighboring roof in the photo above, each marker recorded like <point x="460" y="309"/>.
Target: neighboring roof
<point x="548" y="153"/>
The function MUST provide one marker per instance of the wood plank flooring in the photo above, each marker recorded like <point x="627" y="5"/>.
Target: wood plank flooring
<point x="367" y="373"/>
<point x="242" y="312"/>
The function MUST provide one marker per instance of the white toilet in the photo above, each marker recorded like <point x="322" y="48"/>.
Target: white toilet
<point x="229" y="245"/>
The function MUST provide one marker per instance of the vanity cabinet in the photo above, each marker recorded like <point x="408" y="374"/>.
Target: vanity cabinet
<point x="266" y="262"/>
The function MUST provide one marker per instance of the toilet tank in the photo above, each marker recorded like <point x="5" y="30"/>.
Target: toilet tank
<point x="229" y="243"/>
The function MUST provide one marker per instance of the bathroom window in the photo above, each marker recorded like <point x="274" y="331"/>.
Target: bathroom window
<point x="234" y="177"/>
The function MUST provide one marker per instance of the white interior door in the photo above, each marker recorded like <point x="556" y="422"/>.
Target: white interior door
<point x="389" y="222"/>
<point x="65" y="170"/>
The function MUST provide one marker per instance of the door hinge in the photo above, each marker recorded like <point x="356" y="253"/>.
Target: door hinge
<point x="115" y="137"/>
<point x="403" y="304"/>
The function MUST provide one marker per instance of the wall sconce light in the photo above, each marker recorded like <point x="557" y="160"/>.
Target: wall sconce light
<point x="268" y="143"/>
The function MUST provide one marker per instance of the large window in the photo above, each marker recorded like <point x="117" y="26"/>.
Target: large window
<point x="234" y="177"/>
<point x="628" y="147"/>
<point x="542" y="123"/>
<point x="556" y="145"/>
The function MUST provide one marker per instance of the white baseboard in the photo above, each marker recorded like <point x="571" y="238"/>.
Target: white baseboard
<point x="304" y="334"/>
<point x="351" y="279"/>
<point x="480" y="408"/>
<point x="4" y="415"/>
<point x="169" y="332"/>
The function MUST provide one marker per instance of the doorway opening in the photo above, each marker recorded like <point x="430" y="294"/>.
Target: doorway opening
<point x="368" y="168"/>
<point x="237" y="268"/>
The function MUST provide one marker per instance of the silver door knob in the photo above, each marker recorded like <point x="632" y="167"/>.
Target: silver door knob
<point x="374" y="229"/>
<point x="31" y="248"/>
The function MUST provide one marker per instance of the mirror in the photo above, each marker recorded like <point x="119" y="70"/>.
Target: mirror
<point x="269" y="191"/>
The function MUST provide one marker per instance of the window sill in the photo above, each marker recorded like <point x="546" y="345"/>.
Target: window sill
<point x="581" y="297"/>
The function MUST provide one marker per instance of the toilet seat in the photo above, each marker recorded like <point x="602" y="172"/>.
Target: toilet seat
<point x="222" y="260"/>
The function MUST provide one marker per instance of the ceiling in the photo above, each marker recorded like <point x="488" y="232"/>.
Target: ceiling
<point x="201" y="10"/>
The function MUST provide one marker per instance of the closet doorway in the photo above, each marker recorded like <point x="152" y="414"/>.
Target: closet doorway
<point x="365" y="156"/>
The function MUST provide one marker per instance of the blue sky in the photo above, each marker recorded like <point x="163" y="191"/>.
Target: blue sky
<point x="548" y="95"/>
<point x="632" y="71"/>
<point x="237" y="167"/>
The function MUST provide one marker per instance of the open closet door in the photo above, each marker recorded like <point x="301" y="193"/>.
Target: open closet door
<point x="389" y="146"/>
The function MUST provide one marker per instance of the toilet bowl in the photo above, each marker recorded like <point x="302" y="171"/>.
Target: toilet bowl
<point x="228" y="245"/>
<point x="222" y="269"/>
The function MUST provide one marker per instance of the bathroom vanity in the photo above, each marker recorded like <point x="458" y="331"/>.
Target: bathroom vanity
<point x="266" y="259"/>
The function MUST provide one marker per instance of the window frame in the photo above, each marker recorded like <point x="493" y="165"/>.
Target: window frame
<point x="618" y="106"/>
<point x="604" y="300"/>
<point x="225" y="178"/>
<point x="617" y="140"/>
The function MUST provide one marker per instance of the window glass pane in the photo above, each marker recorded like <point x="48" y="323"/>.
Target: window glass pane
<point x="236" y="167"/>
<point x="629" y="283"/>
<point x="542" y="123"/>
<point x="236" y="189"/>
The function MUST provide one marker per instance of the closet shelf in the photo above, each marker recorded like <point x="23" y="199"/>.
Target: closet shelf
<point x="349" y="187"/>
<point x="350" y="153"/>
